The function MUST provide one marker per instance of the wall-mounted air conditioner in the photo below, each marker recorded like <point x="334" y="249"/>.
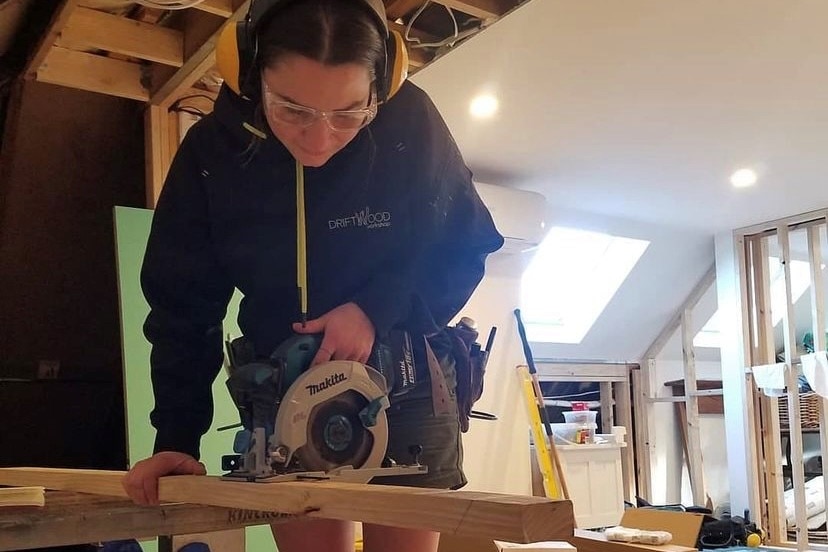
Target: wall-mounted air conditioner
<point x="518" y="214"/>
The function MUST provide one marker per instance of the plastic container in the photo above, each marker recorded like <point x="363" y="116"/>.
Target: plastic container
<point x="572" y="433"/>
<point x="580" y="417"/>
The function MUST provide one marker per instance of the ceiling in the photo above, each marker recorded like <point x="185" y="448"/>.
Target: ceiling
<point x="642" y="109"/>
<point x="628" y="116"/>
<point x="156" y="51"/>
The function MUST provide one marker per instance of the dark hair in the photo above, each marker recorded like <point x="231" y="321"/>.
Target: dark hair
<point x="331" y="32"/>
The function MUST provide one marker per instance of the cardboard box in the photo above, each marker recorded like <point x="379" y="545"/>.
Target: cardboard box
<point x="450" y="543"/>
<point x="683" y="526"/>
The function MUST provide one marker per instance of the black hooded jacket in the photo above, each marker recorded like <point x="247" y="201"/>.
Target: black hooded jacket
<point x="393" y="224"/>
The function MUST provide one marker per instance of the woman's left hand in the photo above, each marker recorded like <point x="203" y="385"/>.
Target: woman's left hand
<point x="348" y="334"/>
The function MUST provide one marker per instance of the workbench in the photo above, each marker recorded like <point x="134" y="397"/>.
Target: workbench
<point x="79" y="518"/>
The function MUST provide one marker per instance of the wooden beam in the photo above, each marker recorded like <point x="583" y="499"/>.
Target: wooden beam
<point x="623" y="417"/>
<point x="644" y="428"/>
<point x="196" y="65"/>
<point x="484" y="9"/>
<point x="400" y="8"/>
<point x="74" y="518"/>
<point x="770" y="466"/>
<point x="103" y="31"/>
<point x="692" y="429"/>
<point x="224" y="8"/>
<point x="156" y="152"/>
<point x="513" y="518"/>
<point x="818" y="326"/>
<point x="422" y="36"/>
<point x="59" y="21"/>
<point x="93" y="73"/>
<point x="570" y="371"/>
<point x="791" y="382"/>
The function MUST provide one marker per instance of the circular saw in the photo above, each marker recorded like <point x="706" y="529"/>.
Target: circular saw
<point x="298" y="422"/>
<point x="333" y="415"/>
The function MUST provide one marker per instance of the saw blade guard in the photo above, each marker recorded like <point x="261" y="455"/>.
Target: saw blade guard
<point x="333" y="415"/>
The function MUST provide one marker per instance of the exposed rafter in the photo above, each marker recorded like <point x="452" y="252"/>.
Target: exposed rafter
<point x="485" y="9"/>
<point x="196" y="65"/>
<point x="91" y="29"/>
<point x="59" y="21"/>
<point x="94" y="73"/>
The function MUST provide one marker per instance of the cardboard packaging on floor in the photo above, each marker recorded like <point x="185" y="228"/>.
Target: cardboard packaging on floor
<point x="450" y="543"/>
<point x="683" y="526"/>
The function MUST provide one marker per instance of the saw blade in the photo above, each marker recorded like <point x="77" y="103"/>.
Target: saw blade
<point x="336" y="436"/>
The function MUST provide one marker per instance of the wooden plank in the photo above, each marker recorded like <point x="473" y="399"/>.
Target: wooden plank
<point x="623" y="415"/>
<point x="771" y="447"/>
<point x="196" y="65"/>
<point x="754" y="489"/>
<point x="791" y="382"/>
<point x="694" y="453"/>
<point x="89" y="28"/>
<point x="156" y="152"/>
<point x="44" y="47"/>
<point x="591" y="541"/>
<point x="586" y="371"/>
<point x="223" y="8"/>
<point x="414" y="33"/>
<point x="75" y="518"/>
<point x="400" y="8"/>
<point x="513" y="518"/>
<point x="818" y="324"/>
<point x="644" y="429"/>
<point x="484" y="9"/>
<point x="93" y="73"/>
<point x="606" y="406"/>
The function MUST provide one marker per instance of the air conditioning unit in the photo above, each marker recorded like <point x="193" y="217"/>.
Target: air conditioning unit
<point x="518" y="214"/>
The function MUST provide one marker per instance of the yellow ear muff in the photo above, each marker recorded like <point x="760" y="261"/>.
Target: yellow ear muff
<point x="398" y="71"/>
<point x="227" y="57"/>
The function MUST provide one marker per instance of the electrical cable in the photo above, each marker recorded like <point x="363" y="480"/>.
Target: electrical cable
<point x="169" y="4"/>
<point x="450" y="41"/>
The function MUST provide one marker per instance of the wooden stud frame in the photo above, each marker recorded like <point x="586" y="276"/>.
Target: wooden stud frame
<point x="644" y="396"/>
<point x="763" y="414"/>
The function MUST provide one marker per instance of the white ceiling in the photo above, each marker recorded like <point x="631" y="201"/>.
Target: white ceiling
<point x="641" y="109"/>
<point x="630" y="116"/>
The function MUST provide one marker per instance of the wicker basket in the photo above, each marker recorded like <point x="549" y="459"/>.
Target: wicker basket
<point x="808" y="408"/>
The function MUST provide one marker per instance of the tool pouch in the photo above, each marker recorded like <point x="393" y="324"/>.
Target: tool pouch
<point x="393" y="357"/>
<point x="470" y="367"/>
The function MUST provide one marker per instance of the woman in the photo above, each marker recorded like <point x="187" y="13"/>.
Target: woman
<point x="396" y="242"/>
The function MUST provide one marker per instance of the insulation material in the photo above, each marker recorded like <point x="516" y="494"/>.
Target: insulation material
<point x="815" y="370"/>
<point x="814" y="502"/>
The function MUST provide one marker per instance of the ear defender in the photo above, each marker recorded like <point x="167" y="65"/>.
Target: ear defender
<point x="236" y="51"/>
<point x="227" y="57"/>
<point x="396" y="63"/>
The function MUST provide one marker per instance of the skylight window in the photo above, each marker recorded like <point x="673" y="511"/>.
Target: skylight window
<point x="709" y="335"/>
<point x="800" y="281"/>
<point x="571" y="280"/>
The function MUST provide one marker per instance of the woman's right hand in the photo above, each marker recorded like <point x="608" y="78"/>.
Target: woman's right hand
<point x="141" y="482"/>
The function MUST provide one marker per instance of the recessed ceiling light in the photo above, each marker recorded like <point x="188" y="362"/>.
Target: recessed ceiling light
<point x="483" y="106"/>
<point x="743" y="178"/>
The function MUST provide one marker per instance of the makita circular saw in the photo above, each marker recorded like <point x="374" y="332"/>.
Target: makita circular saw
<point x="300" y="422"/>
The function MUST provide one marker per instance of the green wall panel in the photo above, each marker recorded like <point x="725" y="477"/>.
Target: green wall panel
<point x="132" y="228"/>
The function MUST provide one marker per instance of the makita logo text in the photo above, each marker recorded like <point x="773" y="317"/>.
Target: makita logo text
<point x="330" y="381"/>
<point x="364" y="218"/>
